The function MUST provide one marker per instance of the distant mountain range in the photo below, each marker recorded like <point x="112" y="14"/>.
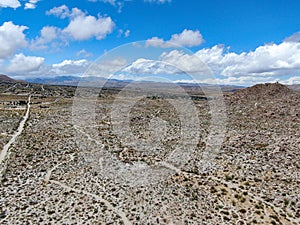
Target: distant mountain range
<point x="59" y="80"/>
<point x="74" y="81"/>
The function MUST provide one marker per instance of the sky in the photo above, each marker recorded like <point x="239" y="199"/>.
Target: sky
<point x="242" y="42"/>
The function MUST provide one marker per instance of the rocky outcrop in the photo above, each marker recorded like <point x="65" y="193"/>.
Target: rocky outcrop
<point x="264" y="91"/>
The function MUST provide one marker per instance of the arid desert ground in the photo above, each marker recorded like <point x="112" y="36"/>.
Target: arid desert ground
<point x="51" y="173"/>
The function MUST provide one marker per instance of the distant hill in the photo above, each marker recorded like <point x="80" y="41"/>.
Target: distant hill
<point x="6" y="79"/>
<point x="265" y="91"/>
<point x="295" y="87"/>
<point x="9" y="80"/>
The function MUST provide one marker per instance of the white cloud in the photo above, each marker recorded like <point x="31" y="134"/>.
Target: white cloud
<point x="82" y="26"/>
<point x="245" y="80"/>
<point x="48" y="34"/>
<point x="107" y="67"/>
<point x="146" y="66"/>
<point x="68" y="62"/>
<point x="242" y="81"/>
<point x="61" y="11"/>
<point x="31" y="4"/>
<point x="31" y="66"/>
<point x="118" y="4"/>
<point x="22" y="64"/>
<point x="188" y="63"/>
<point x="86" y="27"/>
<point x="122" y="32"/>
<point x="267" y="63"/>
<point x="267" y="60"/>
<point x="75" y="12"/>
<point x="10" y="4"/>
<point x="188" y="38"/>
<point x="11" y="39"/>
<point x="214" y="57"/>
<point x="157" y="42"/>
<point x="84" y="53"/>
<point x="291" y="80"/>
<point x="127" y="33"/>
<point x="72" y="67"/>
<point x="158" y="1"/>
<point x="64" y="12"/>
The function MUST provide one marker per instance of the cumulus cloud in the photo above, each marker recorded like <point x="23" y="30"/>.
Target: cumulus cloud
<point x="68" y="62"/>
<point x="146" y="66"/>
<point x="61" y="11"/>
<point x="107" y="67"/>
<point x="11" y="39"/>
<point x="82" y="26"/>
<point x="64" y="12"/>
<point x="187" y="38"/>
<point x="85" y="27"/>
<point x="32" y="66"/>
<point x="31" y="4"/>
<point x="22" y="64"/>
<point x="84" y="53"/>
<point x="266" y="60"/>
<point x="157" y="42"/>
<point x="47" y="35"/>
<point x="291" y="80"/>
<point x="69" y="67"/>
<point x="10" y="4"/>
<point x="188" y="63"/>
<point x="267" y="63"/>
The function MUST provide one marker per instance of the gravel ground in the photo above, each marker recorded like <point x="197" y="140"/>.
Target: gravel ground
<point x="52" y="174"/>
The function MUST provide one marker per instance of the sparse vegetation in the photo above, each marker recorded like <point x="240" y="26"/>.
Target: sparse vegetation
<point x="252" y="182"/>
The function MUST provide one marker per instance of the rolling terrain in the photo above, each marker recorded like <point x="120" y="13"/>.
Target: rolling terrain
<point x="52" y="174"/>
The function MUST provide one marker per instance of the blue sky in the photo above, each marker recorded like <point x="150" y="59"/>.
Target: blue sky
<point x="243" y="42"/>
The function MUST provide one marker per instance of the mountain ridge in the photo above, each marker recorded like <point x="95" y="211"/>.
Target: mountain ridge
<point x="5" y="78"/>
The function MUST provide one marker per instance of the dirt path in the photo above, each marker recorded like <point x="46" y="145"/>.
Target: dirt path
<point x="49" y="172"/>
<point x="55" y="101"/>
<point x="6" y="147"/>
<point x="9" y="88"/>
<point x="109" y="205"/>
<point x="99" y="198"/>
<point x="233" y="186"/>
